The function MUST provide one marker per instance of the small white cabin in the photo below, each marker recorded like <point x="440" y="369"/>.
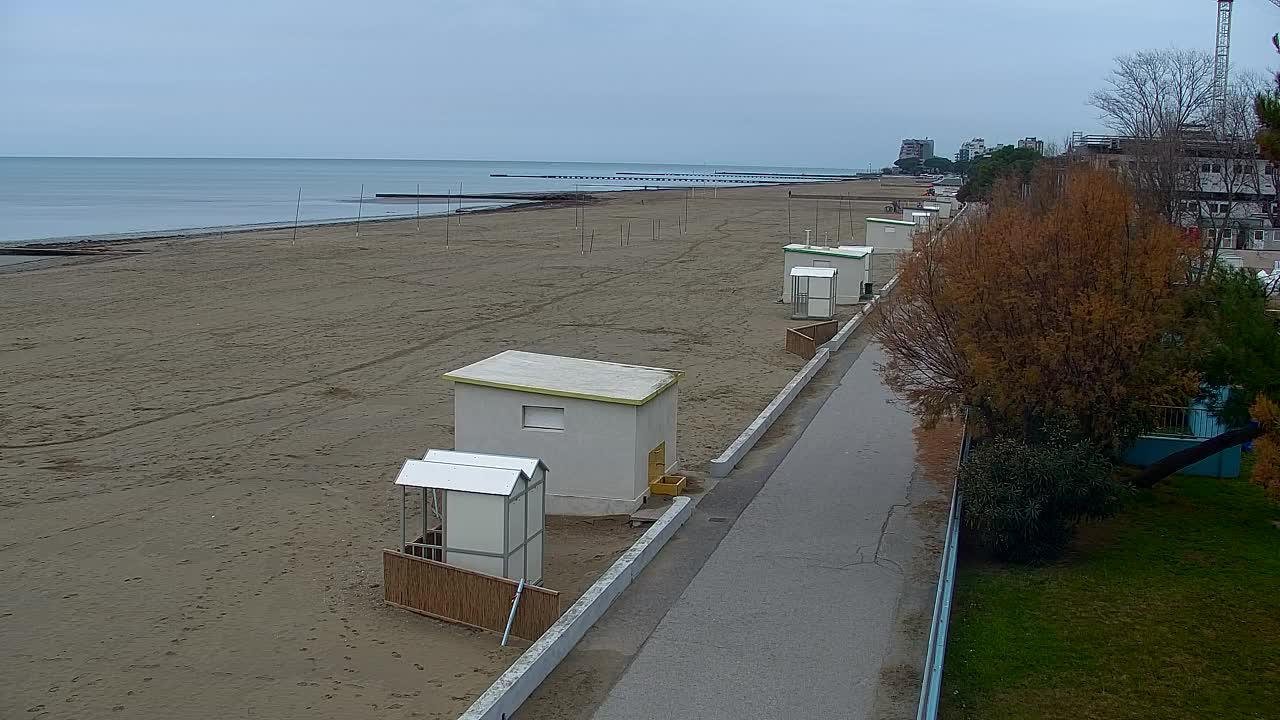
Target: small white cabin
<point x="813" y="293"/>
<point x="852" y="262"/>
<point x="941" y="208"/>
<point x="608" y="429"/>
<point x="890" y="236"/>
<point x="480" y="512"/>
<point x="924" y="219"/>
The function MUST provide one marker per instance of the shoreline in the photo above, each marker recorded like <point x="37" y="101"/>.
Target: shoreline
<point x="59" y="247"/>
<point x="540" y="200"/>
<point x="197" y="233"/>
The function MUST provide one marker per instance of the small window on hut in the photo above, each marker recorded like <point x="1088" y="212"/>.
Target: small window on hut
<point x="543" y="418"/>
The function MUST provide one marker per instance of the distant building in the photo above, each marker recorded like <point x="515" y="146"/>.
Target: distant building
<point x="972" y="150"/>
<point x="1226" y="199"/>
<point x="916" y="149"/>
<point x="1032" y="144"/>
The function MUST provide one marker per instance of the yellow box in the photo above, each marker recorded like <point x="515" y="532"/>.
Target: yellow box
<point x="668" y="485"/>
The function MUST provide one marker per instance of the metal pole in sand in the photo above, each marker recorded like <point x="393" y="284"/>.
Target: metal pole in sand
<point x="788" y="216"/>
<point x="297" y="209"/>
<point x="515" y="603"/>
<point x="653" y="232"/>
<point x="815" y="215"/>
<point x="685" y="228"/>
<point x="619" y="234"/>
<point x="360" y="210"/>
<point x="593" y="241"/>
<point x="448" y="208"/>
<point x="417" y="208"/>
<point x="459" y="203"/>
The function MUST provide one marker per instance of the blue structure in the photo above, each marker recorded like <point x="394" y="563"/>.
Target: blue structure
<point x="1181" y="428"/>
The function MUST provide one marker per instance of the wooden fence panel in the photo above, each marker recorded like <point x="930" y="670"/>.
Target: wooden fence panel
<point x="822" y="332"/>
<point x="801" y="344"/>
<point x="465" y="596"/>
<point x="804" y="340"/>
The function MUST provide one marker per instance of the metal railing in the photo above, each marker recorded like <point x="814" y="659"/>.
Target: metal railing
<point x="931" y="684"/>
<point x="1184" y="422"/>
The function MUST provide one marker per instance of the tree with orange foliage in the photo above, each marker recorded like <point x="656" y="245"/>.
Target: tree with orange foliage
<point x="1056" y="312"/>
<point x="1266" y="471"/>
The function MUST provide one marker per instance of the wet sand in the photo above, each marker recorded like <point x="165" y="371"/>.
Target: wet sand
<point x="197" y="444"/>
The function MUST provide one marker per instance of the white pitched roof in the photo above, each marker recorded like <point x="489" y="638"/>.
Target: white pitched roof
<point x="823" y="272"/>
<point x="526" y="465"/>
<point x="463" y="478"/>
<point x="567" y="377"/>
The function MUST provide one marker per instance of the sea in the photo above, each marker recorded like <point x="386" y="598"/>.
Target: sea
<point x="59" y="199"/>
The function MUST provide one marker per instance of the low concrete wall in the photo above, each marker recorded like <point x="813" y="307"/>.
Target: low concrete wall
<point x="721" y="466"/>
<point x="515" y="685"/>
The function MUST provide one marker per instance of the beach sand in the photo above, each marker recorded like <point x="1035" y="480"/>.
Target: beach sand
<point x="197" y="444"/>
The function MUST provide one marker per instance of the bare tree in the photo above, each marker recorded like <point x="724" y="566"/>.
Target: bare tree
<point x="1157" y="93"/>
<point x="1152" y="100"/>
<point x="1228" y="175"/>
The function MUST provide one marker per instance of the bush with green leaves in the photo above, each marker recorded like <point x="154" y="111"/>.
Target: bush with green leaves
<point x="1026" y="500"/>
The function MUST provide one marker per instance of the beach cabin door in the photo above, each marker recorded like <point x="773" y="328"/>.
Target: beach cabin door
<point x="821" y="297"/>
<point x="658" y="461"/>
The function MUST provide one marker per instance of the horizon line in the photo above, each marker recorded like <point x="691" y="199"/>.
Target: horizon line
<point x="384" y="159"/>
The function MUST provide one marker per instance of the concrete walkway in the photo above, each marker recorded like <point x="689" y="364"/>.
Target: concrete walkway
<point x="794" y="614"/>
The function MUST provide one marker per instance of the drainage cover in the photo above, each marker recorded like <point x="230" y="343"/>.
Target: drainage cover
<point x="718" y="519"/>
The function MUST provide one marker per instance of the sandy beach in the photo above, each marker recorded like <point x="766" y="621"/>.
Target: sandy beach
<point x="197" y="443"/>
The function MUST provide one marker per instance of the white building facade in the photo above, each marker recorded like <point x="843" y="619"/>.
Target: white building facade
<point x="972" y="150"/>
<point x="1229" y="201"/>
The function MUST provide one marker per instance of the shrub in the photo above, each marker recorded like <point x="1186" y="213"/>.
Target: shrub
<point x="1026" y="500"/>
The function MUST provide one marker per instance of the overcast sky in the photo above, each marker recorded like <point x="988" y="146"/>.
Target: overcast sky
<point x="836" y="83"/>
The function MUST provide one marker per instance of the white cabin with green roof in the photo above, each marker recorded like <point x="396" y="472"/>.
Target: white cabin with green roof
<point x="851" y="262"/>
<point x="604" y="429"/>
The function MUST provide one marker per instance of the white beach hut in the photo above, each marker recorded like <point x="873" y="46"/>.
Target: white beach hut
<point x="887" y="235"/>
<point x="480" y="512"/>
<point x="608" y="429"/>
<point x="941" y="208"/>
<point x="813" y="293"/>
<point x="852" y="262"/>
<point x="922" y="217"/>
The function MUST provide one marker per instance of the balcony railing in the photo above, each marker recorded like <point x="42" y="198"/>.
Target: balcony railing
<point x="1184" y="422"/>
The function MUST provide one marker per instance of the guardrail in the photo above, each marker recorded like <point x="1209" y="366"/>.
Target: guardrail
<point x="1184" y="422"/>
<point x="931" y="685"/>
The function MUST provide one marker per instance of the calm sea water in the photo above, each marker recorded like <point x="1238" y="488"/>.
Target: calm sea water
<point x="60" y="198"/>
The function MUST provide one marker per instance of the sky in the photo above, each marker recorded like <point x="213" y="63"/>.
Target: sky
<point x="835" y="83"/>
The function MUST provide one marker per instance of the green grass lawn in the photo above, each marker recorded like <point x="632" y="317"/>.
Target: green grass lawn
<point x="1169" y="610"/>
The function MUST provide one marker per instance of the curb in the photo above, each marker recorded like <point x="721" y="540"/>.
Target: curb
<point x="722" y="465"/>
<point x="524" y="676"/>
